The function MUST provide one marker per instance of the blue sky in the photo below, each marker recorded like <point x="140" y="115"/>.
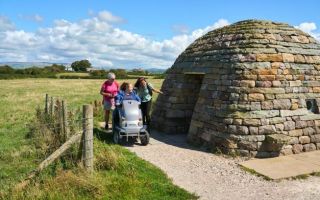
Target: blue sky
<point x="166" y="27"/>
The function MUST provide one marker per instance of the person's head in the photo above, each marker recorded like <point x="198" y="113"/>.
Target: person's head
<point x="111" y="76"/>
<point x="129" y="88"/>
<point x="140" y="82"/>
<point x="124" y="86"/>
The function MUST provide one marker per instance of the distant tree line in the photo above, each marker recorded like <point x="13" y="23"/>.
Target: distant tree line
<point x="36" y="72"/>
<point x="7" y="72"/>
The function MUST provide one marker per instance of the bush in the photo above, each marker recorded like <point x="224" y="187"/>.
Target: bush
<point x="98" y="73"/>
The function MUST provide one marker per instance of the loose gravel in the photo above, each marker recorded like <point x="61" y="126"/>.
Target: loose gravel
<point x="218" y="177"/>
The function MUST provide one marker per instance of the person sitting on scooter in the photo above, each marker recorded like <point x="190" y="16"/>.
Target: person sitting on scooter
<point x="126" y="93"/>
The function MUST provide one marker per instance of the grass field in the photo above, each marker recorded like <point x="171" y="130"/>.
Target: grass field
<point x="129" y="178"/>
<point x="66" y="74"/>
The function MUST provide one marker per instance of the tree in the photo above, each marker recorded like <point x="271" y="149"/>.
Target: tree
<point x="81" y="66"/>
<point x="6" y="69"/>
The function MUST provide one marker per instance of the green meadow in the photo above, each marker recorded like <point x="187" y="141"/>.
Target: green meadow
<point x="119" y="173"/>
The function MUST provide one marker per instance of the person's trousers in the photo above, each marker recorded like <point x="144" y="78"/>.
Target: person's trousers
<point x="145" y="108"/>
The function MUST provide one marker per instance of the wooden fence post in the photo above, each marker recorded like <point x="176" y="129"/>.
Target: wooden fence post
<point x="65" y="120"/>
<point x="51" y="107"/>
<point x="87" y="125"/>
<point x="46" y="109"/>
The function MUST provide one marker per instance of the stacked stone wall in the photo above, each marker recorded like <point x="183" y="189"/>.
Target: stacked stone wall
<point x="259" y="78"/>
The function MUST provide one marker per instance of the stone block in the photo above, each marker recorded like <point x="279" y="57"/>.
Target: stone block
<point x="296" y="83"/>
<point x="243" y="130"/>
<point x="293" y="140"/>
<point x="315" y="138"/>
<point x="264" y="121"/>
<point x="253" y="130"/>
<point x="310" y="116"/>
<point x="256" y="97"/>
<point x="287" y="57"/>
<point x="277" y="120"/>
<point x="316" y="89"/>
<point x="266" y="105"/>
<point x="269" y="96"/>
<point x="304" y="139"/>
<point x="286" y="113"/>
<point x="247" y="83"/>
<point x="175" y="114"/>
<point x="296" y="133"/>
<point x="269" y="57"/>
<point x="252" y="138"/>
<point x="301" y="124"/>
<point x="282" y="104"/>
<point x="230" y="144"/>
<point x="255" y="106"/>
<point x="252" y="146"/>
<point x="266" y="77"/>
<point x="297" y="148"/>
<point x="309" y="131"/>
<point x="309" y="147"/>
<point x="279" y="127"/>
<point x="289" y="125"/>
<point x="285" y="152"/>
<point x="237" y="121"/>
<point x="228" y="121"/>
<point x="276" y="83"/>
<point x="206" y="136"/>
<point x="263" y="83"/>
<point x="267" y="129"/>
<point x="265" y="90"/>
<point x="278" y="139"/>
<point x="251" y="122"/>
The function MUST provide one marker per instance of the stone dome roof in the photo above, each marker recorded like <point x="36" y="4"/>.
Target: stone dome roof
<point x="251" y="88"/>
<point x="244" y="41"/>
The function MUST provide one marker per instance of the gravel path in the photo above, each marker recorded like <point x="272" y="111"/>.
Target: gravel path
<point x="217" y="177"/>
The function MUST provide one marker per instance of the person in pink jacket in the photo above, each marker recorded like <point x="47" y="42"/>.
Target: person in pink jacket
<point x="109" y="91"/>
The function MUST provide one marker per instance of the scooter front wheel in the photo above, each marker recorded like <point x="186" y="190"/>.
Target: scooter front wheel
<point x="145" y="139"/>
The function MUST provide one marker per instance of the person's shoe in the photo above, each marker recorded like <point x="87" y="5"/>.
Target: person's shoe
<point x="106" y="126"/>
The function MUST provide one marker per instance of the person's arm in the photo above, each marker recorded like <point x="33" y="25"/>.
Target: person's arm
<point x="137" y="98"/>
<point x="157" y="91"/>
<point x="105" y="93"/>
<point x="119" y="99"/>
<point x="154" y="89"/>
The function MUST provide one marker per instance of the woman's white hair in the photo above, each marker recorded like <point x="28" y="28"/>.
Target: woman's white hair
<point x="111" y="75"/>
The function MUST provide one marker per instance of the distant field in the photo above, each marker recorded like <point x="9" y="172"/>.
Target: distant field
<point x="18" y="101"/>
<point x="66" y="74"/>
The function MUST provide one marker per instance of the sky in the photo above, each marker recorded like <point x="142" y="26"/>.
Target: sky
<point x="127" y="33"/>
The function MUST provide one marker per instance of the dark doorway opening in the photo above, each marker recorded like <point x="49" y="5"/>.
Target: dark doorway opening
<point x="194" y="82"/>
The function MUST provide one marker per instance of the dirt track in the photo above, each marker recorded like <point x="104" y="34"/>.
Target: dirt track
<point x="216" y="177"/>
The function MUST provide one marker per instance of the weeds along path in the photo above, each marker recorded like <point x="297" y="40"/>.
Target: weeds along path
<point x="215" y="176"/>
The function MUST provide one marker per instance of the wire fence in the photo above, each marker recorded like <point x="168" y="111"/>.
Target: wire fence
<point x="59" y="133"/>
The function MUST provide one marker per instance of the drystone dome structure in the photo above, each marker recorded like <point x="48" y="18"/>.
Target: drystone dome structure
<point x="250" y="88"/>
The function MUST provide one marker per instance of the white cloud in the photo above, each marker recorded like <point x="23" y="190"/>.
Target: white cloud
<point x="97" y="40"/>
<point x="180" y="28"/>
<point x="35" y="18"/>
<point x="311" y="28"/>
<point x="307" y="27"/>
<point x="109" y="17"/>
<point x="6" y="24"/>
